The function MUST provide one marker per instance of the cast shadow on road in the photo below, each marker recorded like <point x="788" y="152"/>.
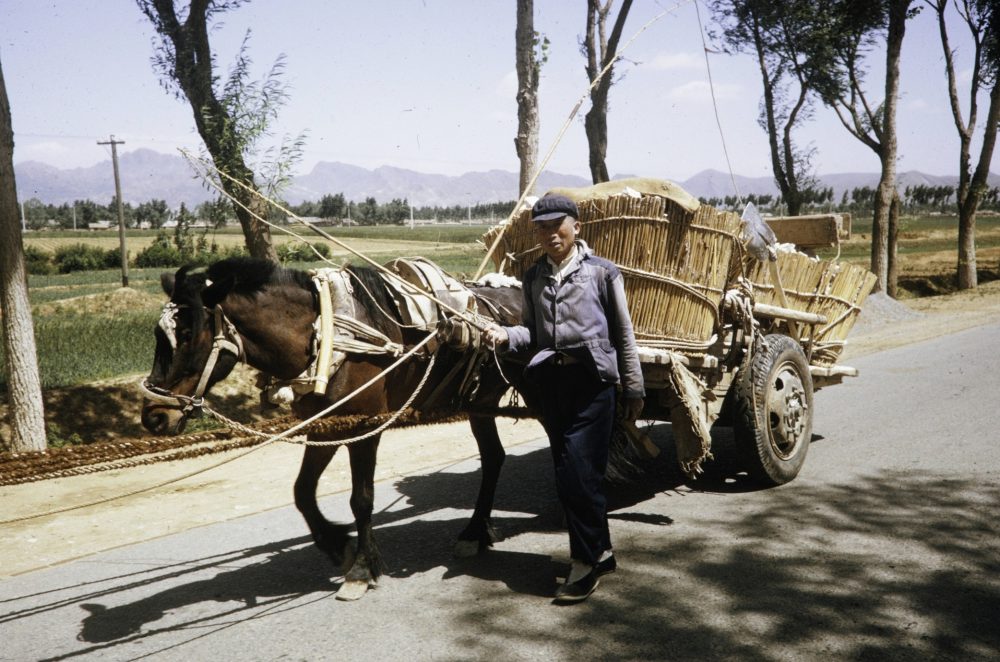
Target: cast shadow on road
<point x="412" y="542"/>
<point x="896" y="565"/>
<point x="779" y="570"/>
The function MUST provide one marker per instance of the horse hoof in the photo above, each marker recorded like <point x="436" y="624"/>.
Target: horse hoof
<point x="352" y="590"/>
<point x="349" y="556"/>
<point x="465" y="549"/>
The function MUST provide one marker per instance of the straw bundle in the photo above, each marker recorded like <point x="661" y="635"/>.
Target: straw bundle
<point x="675" y="261"/>
<point x="835" y="290"/>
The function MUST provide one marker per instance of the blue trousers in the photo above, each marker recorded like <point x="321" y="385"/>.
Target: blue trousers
<point x="578" y="412"/>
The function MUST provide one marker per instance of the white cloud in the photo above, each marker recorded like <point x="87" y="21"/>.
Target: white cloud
<point x="676" y="61"/>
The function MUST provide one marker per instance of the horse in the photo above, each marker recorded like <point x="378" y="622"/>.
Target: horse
<point x="264" y="314"/>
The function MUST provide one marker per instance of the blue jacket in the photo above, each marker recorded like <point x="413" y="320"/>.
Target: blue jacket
<point x="585" y="316"/>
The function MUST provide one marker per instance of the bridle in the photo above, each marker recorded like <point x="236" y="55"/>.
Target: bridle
<point x="226" y="339"/>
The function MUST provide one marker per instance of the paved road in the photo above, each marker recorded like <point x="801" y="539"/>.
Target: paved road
<point x="886" y="547"/>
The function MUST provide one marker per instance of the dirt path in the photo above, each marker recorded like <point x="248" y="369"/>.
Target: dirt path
<point x="262" y="480"/>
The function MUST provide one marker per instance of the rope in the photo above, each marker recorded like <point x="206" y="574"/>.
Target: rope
<point x="267" y="442"/>
<point x="715" y="103"/>
<point x="413" y="288"/>
<point x="338" y="442"/>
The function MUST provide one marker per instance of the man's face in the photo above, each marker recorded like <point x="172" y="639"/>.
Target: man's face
<point x="557" y="236"/>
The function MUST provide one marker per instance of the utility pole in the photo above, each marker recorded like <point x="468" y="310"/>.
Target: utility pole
<point x="121" y="210"/>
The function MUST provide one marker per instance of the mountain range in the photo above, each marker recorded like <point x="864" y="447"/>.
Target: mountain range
<point x="147" y="175"/>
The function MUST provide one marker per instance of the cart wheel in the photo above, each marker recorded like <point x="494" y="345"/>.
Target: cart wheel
<point x="773" y="435"/>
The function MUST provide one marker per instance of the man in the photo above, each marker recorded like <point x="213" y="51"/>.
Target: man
<point x="576" y="317"/>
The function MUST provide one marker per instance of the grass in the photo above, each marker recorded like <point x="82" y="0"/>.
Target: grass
<point x="76" y="349"/>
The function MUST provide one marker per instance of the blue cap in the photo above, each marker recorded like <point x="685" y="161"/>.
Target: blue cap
<point x="553" y="206"/>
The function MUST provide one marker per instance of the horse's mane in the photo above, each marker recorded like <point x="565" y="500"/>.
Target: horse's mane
<point x="250" y="274"/>
<point x="247" y="275"/>
<point x="371" y="292"/>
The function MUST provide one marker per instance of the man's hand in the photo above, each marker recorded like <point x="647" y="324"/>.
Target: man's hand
<point x="632" y="408"/>
<point x="495" y="337"/>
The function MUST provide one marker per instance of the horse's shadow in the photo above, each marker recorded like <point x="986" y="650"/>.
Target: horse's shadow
<point x="274" y="572"/>
<point x="415" y="538"/>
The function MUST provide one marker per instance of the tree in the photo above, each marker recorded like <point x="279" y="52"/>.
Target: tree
<point x="530" y="53"/>
<point x="982" y="18"/>
<point x="216" y="212"/>
<point x="848" y="30"/>
<point x="396" y="211"/>
<point x="368" y="212"/>
<point x="20" y="355"/>
<point x="772" y="32"/>
<point x="332" y="206"/>
<point x="183" y="239"/>
<point x="154" y="213"/>
<point x="600" y="50"/>
<point x="184" y="58"/>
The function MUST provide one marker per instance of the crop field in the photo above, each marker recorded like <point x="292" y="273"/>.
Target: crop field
<point x="364" y="239"/>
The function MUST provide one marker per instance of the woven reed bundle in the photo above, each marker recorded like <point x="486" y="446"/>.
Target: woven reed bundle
<point x="674" y="254"/>
<point x="833" y="289"/>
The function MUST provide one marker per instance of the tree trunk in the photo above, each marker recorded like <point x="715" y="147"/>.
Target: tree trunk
<point x="880" y="233"/>
<point x="967" y="276"/>
<point x="599" y="53"/>
<point x="892" y="264"/>
<point x="526" y="141"/>
<point x="888" y="147"/>
<point x="21" y="363"/>
<point x="192" y="70"/>
<point x="595" y="124"/>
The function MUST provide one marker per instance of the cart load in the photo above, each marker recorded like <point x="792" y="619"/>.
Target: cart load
<point x="735" y="318"/>
<point x="680" y="257"/>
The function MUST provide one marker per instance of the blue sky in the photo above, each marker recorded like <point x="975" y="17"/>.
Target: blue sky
<point x="429" y="85"/>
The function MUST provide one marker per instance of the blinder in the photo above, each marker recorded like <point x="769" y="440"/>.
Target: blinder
<point x="226" y="339"/>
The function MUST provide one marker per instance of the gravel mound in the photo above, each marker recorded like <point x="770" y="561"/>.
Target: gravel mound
<point x="880" y="309"/>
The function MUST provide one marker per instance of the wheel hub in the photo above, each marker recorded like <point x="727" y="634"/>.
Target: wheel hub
<point x="788" y="411"/>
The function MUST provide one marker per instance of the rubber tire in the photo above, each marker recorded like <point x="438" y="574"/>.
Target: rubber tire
<point x="773" y="438"/>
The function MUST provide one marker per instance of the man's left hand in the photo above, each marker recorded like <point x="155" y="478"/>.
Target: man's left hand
<point x="632" y="408"/>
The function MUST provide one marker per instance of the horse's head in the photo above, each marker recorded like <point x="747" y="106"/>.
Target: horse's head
<point x="196" y="346"/>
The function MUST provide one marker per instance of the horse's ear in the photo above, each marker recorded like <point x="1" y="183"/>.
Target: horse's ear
<point x="215" y="292"/>
<point x="167" y="283"/>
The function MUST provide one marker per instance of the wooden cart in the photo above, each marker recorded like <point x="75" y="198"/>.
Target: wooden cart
<point x="722" y="334"/>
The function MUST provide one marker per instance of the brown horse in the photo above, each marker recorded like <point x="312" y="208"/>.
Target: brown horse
<point x="253" y="310"/>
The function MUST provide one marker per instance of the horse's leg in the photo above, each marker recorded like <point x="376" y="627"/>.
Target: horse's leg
<point x="331" y="538"/>
<point x="479" y="533"/>
<point x="367" y="564"/>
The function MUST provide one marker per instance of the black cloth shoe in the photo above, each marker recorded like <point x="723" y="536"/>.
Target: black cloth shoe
<point x="578" y="590"/>
<point x="606" y="566"/>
